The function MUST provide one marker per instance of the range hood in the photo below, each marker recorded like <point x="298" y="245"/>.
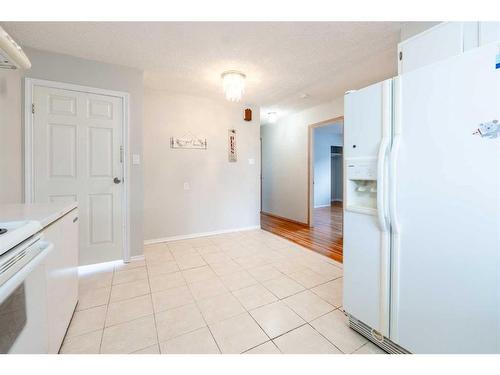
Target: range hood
<point x="11" y="54"/>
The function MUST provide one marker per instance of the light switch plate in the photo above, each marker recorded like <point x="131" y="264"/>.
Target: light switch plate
<point x="136" y="159"/>
<point x="186" y="186"/>
<point x="251" y="161"/>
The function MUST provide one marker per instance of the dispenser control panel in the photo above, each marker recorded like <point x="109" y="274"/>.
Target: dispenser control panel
<point x="362" y="169"/>
<point x="361" y="185"/>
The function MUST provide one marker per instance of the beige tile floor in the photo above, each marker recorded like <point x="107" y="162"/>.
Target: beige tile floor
<point x="244" y="292"/>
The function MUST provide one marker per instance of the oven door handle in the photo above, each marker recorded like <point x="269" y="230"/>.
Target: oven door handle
<point x="18" y="278"/>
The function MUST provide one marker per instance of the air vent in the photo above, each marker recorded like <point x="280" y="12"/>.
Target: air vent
<point x="5" y="62"/>
<point x="383" y="342"/>
<point x="12" y="261"/>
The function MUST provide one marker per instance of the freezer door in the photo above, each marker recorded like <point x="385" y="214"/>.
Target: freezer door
<point x="446" y="212"/>
<point x="367" y="125"/>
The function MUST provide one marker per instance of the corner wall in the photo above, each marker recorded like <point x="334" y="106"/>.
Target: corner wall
<point x="285" y="160"/>
<point x="11" y="162"/>
<point x="222" y="196"/>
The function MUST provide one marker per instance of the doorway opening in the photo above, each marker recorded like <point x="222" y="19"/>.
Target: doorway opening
<point x="323" y="231"/>
<point x="326" y="142"/>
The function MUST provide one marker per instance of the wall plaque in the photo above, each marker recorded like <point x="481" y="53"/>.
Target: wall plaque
<point x="232" y="157"/>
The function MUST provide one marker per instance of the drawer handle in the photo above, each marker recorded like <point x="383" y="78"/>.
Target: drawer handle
<point x="75" y="219"/>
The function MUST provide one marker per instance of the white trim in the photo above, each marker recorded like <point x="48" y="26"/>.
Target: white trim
<point x="196" y="235"/>
<point x="137" y="257"/>
<point x="29" y="84"/>
<point x="310" y="176"/>
<point x="323" y="205"/>
<point x="361" y="210"/>
<point x="97" y="267"/>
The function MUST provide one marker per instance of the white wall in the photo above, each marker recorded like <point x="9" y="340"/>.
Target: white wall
<point x="324" y="138"/>
<point x="11" y="163"/>
<point x="63" y="68"/>
<point x="410" y="29"/>
<point x="285" y="160"/>
<point x="222" y="196"/>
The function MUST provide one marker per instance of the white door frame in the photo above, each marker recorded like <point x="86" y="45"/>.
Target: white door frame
<point x="29" y="85"/>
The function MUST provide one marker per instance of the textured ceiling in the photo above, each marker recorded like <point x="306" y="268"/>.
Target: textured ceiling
<point x="282" y="60"/>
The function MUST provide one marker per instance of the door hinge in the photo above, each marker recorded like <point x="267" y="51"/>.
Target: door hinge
<point x="121" y="154"/>
<point x="33" y="108"/>
<point x="400" y="55"/>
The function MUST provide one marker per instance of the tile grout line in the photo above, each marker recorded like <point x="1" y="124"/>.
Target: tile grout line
<point x="280" y="300"/>
<point x="198" y="307"/>
<point x="326" y="338"/>
<point x="106" y="313"/>
<point x="232" y="294"/>
<point x="291" y="330"/>
<point x="246" y="311"/>
<point x="330" y="341"/>
<point x="153" y="306"/>
<point x="91" y="307"/>
<point x="270" y="263"/>
<point x="256" y="346"/>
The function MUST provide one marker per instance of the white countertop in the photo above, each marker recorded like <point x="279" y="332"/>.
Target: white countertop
<point x="44" y="213"/>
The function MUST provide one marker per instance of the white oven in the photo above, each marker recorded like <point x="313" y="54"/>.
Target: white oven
<point x="23" y="302"/>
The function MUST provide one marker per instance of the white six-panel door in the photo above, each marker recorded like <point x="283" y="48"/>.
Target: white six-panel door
<point x="77" y="140"/>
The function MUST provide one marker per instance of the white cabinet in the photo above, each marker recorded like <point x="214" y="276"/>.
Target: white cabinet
<point x="62" y="276"/>
<point x="488" y="32"/>
<point x="437" y="43"/>
<point x="445" y="40"/>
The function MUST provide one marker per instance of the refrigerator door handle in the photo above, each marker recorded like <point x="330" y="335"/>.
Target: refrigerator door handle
<point x="392" y="187"/>
<point x="381" y="185"/>
<point x="382" y="206"/>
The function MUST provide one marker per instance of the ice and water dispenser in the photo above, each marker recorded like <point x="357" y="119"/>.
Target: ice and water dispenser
<point x="361" y="184"/>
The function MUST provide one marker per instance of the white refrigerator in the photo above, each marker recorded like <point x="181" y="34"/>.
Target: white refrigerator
<point x="422" y="209"/>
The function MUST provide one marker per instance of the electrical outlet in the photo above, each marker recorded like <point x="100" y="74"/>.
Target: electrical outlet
<point x="251" y="161"/>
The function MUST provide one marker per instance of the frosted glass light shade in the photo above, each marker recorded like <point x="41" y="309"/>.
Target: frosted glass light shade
<point x="233" y="84"/>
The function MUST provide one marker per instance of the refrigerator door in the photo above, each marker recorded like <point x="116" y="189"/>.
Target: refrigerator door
<point x="445" y="213"/>
<point x="367" y="126"/>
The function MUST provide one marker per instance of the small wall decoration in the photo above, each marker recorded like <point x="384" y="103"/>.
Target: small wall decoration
<point x="232" y="157"/>
<point x="189" y="141"/>
<point x="247" y="114"/>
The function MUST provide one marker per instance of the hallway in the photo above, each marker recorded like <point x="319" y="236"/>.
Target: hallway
<point x="325" y="237"/>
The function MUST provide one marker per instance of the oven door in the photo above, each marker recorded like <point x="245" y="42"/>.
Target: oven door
<point x="23" y="306"/>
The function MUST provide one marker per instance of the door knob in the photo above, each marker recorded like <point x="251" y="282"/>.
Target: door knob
<point x="116" y="180"/>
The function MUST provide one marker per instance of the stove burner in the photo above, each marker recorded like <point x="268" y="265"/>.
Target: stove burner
<point x="3" y="230"/>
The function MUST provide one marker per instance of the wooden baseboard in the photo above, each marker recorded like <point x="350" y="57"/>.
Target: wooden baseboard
<point x="284" y="218"/>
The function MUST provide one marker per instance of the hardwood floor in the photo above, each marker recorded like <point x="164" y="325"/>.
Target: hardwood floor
<point x="325" y="237"/>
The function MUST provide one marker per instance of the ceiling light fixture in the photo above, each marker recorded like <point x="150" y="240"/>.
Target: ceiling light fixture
<point x="233" y="84"/>
<point x="272" y="117"/>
